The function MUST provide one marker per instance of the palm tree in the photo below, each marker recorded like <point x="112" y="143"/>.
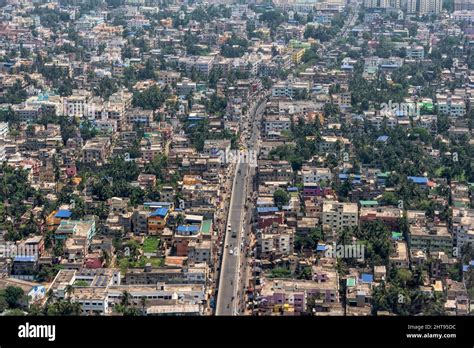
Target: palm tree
<point x="105" y="256"/>
<point x="179" y="219"/>
<point x="69" y="290"/>
<point x="143" y="301"/>
<point x="126" y="297"/>
<point x="49" y="296"/>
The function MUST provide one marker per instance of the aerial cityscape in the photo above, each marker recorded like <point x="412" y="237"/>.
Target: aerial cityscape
<point x="236" y="158"/>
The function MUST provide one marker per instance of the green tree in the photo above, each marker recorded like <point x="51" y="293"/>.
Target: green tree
<point x="281" y="198"/>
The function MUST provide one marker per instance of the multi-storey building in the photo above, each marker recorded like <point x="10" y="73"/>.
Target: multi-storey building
<point x="338" y="216"/>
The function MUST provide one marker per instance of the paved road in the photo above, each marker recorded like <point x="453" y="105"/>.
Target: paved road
<point x="230" y="291"/>
<point x="230" y="294"/>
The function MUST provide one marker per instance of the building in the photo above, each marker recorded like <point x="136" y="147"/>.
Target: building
<point x="169" y="275"/>
<point x="463" y="16"/>
<point x="412" y="6"/>
<point x="3" y="131"/>
<point x="32" y="246"/>
<point x="275" y="241"/>
<point x="400" y="258"/>
<point x="81" y="229"/>
<point x="200" y="64"/>
<point x="451" y="105"/>
<point x="188" y="293"/>
<point x="139" y="116"/>
<point x="463" y="5"/>
<point x="89" y="288"/>
<point x="96" y="150"/>
<point x="376" y="4"/>
<point x="338" y="216"/>
<point x="27" y="112"/>
<point x="77" y="104"/>
<point x="415" y="52"/>
<point x="432" y="238"/>
<point x="430" y="7"/>
<point x="463" y="226"/>
<point x="277" y="296"/>
<point x="185" y="87"/>
<point x="388" y="216"/>
<point x="315" y="175"/>
<point x="24" y="267"/>
<point x="276" y="124"/>
<point x="290" y="89"/>
<point x="157" y="220"/>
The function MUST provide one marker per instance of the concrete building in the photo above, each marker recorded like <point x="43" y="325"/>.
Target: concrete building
<point x="96" y="150"/>
<point x="463" y="226"/>
<point x="428" y="7"/>
<point x="415" y="52"/>
<point x="463" y="5"/>
<point x="338" y="216"/>
<point x="432" y="238"/>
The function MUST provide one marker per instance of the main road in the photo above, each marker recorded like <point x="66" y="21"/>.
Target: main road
<point x="230" y="292"/>
<point x="230" y="295"/>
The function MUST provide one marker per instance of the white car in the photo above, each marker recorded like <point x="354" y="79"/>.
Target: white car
<point x="231" y="252"/>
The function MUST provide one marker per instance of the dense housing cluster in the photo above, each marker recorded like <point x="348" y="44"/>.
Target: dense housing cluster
<point x="291" y="157"/>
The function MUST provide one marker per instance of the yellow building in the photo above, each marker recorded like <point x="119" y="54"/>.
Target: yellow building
<point x="297" y="55"/>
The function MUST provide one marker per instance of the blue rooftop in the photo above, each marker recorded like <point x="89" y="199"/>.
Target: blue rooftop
<point x="267" y="210"/>
<point x="354" y="177"/>
<point x="382" y="138"/>
<point x="367" y="278"/>
<point x="321" y="247"/>
<point x="63" y="214"/>
<point x="25" y="258"/>
<point x="292" y="189"/>
<point x="160" y="212"/>
<point x="190" y="228"/>
<point x="418" y="179"/>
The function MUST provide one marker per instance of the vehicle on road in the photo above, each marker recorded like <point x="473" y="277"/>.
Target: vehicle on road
<point x="231" y="252"/>
<point x="234" y="234"/>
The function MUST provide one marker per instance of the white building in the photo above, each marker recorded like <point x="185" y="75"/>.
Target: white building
<point x="415" y="52"/>
<point x="315" y="175"/>
<point x="463" y="226"/>
<point x="431" y="6"/>
<point x="453" y="106"/>
<point x="77" y="104"/>
<point x="289" y="89"/>
<point x="338" y="215"/>
<point x="3" y="130"/>
<point x="463" y="16"/>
